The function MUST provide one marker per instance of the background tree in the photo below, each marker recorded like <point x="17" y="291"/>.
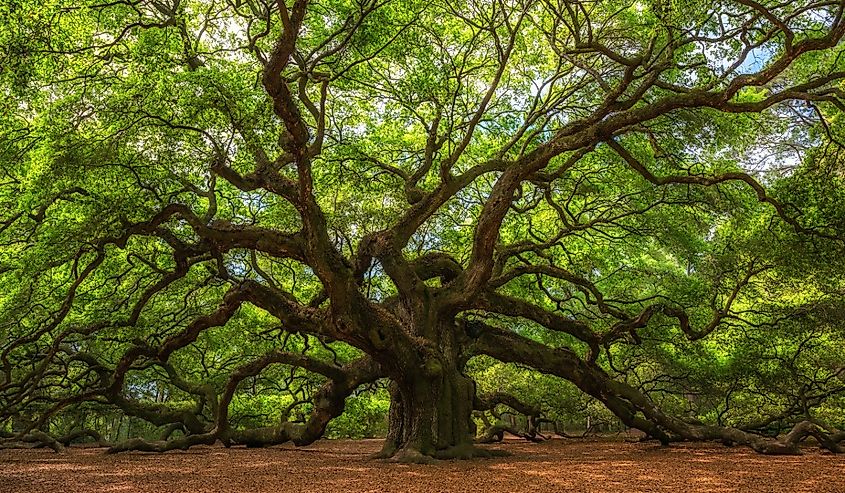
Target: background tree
<point x="642" y="199"/>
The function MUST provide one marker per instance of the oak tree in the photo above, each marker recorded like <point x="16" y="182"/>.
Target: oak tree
<point x="402" y="186"/>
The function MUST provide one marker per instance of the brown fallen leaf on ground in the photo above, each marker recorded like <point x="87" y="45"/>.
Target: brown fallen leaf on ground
<point x="343" y="466"/>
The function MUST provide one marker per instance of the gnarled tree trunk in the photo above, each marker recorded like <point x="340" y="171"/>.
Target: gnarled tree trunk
<point x="431" y="415"/>
<point x="431" y="399"/>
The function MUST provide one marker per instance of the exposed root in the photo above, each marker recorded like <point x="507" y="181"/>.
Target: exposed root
<point x="411" y="456"/>
<point x="387" y="451"/>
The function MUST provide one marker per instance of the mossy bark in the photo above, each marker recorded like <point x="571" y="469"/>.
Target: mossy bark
<point x="431" y="414"/>
<point x="431" y="399"/>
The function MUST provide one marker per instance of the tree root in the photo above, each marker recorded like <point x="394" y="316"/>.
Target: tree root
<point x="387" y="451"/>
<point x="411" y="456"/>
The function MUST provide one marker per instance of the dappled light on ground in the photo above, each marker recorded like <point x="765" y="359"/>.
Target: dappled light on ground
<point x="344" y="466"/>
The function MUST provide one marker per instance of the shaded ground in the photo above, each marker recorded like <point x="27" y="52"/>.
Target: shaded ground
<point x="342" y="466"/>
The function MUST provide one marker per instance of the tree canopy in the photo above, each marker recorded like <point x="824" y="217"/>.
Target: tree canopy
<point x="232" y="220"/>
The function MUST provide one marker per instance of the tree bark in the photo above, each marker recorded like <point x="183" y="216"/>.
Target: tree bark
<point x="431" y="416"/>
<point x="431" y="399"/>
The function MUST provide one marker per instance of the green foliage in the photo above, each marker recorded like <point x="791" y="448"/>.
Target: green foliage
<point x="111" y="113"/>
<point x="364" y="416"/>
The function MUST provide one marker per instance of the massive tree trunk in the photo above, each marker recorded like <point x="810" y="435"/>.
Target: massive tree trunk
<point x="430" y="414"/>
<point x="431" y="399"/>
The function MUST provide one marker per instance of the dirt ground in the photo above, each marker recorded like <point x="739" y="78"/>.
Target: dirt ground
<point x="343" y="466"/>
